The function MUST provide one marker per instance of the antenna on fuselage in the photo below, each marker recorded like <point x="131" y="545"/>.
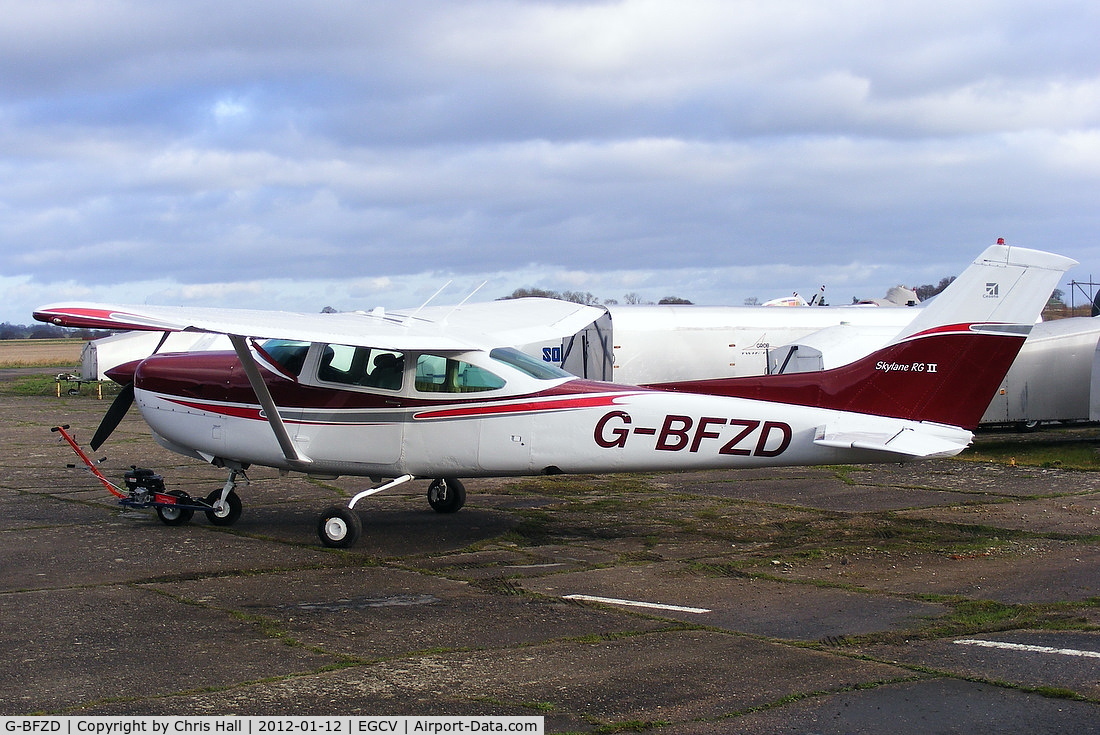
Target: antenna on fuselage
<point x="430" y="298"/>
<point x="460" y="303"/>
<point x="471" y="294"/>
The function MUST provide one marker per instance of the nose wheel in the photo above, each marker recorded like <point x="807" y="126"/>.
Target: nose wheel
<point x="223" y="512"/>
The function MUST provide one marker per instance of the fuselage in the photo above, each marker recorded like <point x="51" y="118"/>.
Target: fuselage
<point x="433" y="421"/>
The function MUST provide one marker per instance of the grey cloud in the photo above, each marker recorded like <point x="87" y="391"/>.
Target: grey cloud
<point x="211" y="142"/>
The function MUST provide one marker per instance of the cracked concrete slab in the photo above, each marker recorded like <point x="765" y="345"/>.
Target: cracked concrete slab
<point x="751" y="605"/>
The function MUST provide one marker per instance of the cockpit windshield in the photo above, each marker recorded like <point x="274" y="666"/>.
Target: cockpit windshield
<point x="531" y="366"/>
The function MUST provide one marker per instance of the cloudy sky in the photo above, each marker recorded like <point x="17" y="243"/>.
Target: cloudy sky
<point x="296" y="155"/>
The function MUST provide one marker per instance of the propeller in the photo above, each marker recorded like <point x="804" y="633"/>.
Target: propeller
<point x="125" y="375"/>
<point x="113" y="417"/>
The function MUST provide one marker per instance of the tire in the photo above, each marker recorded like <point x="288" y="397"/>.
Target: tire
<point x="228" y="515"/>
<point x="339" y="527"/>
<point x="172" y="516"/>
<point x="446" y="495"/>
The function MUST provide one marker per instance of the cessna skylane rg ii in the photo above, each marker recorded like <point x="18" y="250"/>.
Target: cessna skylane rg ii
<point x="400" y="398"/>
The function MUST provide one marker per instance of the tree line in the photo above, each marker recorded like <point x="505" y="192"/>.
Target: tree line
<point x="924" y="292"/>
<point x="585" y="297"/>
<point x="46" y="331"/>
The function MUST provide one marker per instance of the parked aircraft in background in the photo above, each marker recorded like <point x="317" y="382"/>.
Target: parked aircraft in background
<point x="397" y="398"/>
<point x="1056" y="377"/>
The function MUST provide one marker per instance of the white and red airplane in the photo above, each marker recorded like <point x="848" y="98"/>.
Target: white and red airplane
<point x="400" y="398"/>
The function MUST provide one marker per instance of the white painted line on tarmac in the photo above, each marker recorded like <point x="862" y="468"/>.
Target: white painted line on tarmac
<point x="636" y="603"/>
<point x="1029" y="648"/>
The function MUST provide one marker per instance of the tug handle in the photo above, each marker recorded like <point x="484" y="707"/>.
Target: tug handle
<point x="111" y="487"/>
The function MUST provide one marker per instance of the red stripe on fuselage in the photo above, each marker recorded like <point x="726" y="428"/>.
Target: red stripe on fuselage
<point x="526" y="406"/>
<point x="239" y="412"/>
<point x="481" y="411"/>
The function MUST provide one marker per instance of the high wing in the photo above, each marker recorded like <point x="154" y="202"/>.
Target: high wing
<point x="451" y="329"/>
<point x="513" y="321"/>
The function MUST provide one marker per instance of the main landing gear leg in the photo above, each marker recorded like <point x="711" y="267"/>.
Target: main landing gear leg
<point x="340" y="526"/>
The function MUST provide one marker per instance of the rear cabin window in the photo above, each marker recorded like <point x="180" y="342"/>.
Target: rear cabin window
<point x="361" y="366"/>
<point x="435" y="374"/>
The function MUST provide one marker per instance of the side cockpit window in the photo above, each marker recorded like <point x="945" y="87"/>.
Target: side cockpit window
<point x="288" y="354"/>
<point x="361" y="366"/>
<point x="436" y="374"/>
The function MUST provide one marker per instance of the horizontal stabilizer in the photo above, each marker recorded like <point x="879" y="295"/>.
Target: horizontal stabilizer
<point x="909" y="443"/>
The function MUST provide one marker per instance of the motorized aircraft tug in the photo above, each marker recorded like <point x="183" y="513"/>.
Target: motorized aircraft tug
<point x="401" y="398"/>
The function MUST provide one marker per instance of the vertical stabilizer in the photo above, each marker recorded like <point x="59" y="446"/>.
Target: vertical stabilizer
<point x="1003" y="285"/>
<point x="946" y="365"/>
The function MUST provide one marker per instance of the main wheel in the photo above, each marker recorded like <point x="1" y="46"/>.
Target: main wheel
<point x="446" y="495"/>
<point x="227" y="513"/>
<point x="339" y="527"/>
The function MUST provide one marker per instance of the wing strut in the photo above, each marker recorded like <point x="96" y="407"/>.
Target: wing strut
<point x="248" y="362"/>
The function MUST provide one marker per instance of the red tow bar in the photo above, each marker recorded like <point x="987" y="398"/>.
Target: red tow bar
<point x="111" y="487"/>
